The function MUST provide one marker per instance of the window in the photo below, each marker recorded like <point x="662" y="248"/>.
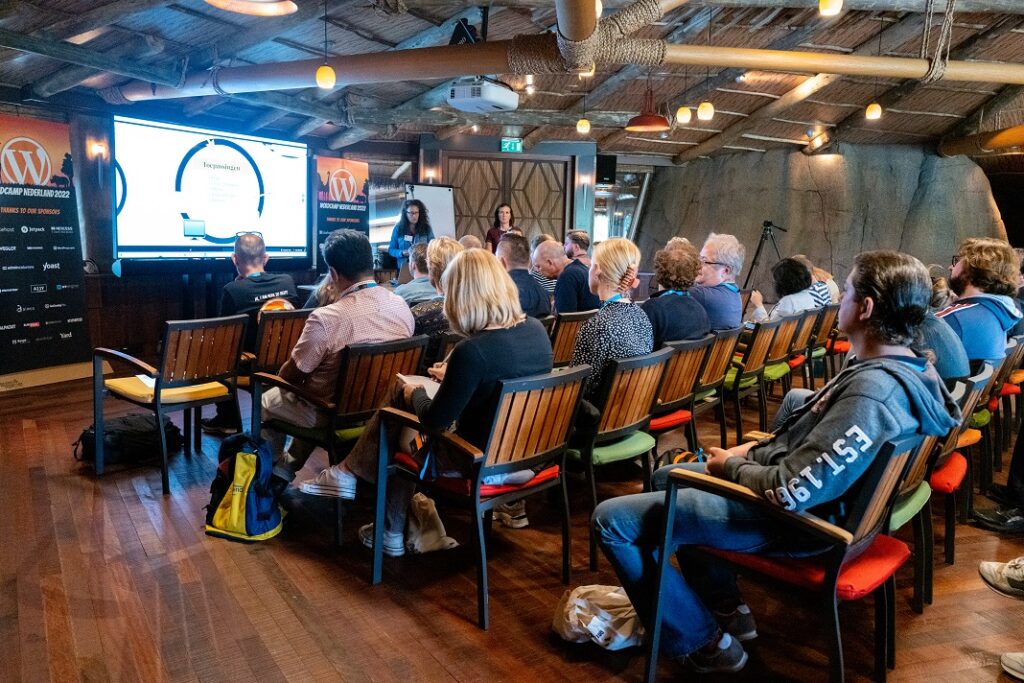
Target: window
<point x="617" y="207"/>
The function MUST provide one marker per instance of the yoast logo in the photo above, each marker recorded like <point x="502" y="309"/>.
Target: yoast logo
<point x="342" y="186"/>
<point x="50" y="266"/>
<point x="65" y="335"/>
<point x="23" y="161"/>
<point x="25" y="309"/>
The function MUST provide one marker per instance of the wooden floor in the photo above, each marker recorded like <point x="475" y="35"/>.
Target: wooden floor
<point x="108" y="580"/>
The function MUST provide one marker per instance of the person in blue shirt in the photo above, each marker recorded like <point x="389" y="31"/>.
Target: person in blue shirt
<point x="513" y="252"/>
<point x="412" y="228"/>
<point x="716" y="290"/>
<point x="674" y="313"/>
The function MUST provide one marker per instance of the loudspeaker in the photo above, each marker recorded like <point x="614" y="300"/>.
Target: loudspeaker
<point x="605" y="169"/>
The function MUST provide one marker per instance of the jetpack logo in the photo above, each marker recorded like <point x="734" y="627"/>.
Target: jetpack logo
<point x="23" y="161"/>
<point x="342" y="186"/>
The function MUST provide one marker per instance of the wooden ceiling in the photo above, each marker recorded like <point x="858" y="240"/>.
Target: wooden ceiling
<point x="755" y="110"/>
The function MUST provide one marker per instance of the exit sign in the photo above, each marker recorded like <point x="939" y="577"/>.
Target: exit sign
<point x="512" y="145"/>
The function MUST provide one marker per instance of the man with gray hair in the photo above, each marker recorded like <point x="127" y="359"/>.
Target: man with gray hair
<point x="716" y="289"/>
<point x="572" y="289"/>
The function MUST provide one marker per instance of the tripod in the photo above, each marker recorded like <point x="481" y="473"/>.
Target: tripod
<point x="767" y="235"/>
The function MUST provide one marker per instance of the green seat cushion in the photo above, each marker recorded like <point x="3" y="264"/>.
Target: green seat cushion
<point x="730" y="377"/>
<point x="980" y="419"/>
<point x="776" y="371"/>
<point x="317" y="435"/>
<point x="632" y="446"/>
<point x="702" y="395"/>
<point x="905" y="509"/>
<point x="818" y="352"/>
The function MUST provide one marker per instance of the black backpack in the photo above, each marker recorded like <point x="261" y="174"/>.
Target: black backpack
<point x="128" y="440"/>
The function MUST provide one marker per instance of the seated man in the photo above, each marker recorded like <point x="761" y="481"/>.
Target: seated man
<point x="716" y="290"/>
<point x="984" y="277"/>
<point x="419" y="288"/>
<point x="572" y="287"/>
<point x="812" y="463"/>
<point x="364" y="313"/>
<point x="247" y="293"/>
<point x="513" y="253"/>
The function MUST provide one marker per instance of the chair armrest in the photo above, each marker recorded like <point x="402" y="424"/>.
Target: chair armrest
<point x="267" y="379"/>
<point x="113" y="354"/>
<point x="755" y="435"/>
<point x="803" y="521"/>
<point x="452" y="439"/>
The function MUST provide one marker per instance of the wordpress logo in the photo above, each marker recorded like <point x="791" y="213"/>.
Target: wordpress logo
<point x="23" y="161"/>
<point x="342" y="186"/>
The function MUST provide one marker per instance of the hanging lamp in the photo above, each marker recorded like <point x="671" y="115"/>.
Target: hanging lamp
<point x="648" y="120"/>
<point x="325" y="76"/>
<point x="706" y="110"/>
<point x="830" y="8"/>
<point x="873" y="111"/>
<point x="256" y="8"/>
<point x="583" y="125"/>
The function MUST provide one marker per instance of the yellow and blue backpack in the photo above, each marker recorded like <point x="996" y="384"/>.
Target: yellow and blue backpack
<point x="242" y="506"/>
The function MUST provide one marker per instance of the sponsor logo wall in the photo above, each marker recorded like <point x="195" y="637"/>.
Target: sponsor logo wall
<point x="343" y="189"/>
<point x="42" y="293"/>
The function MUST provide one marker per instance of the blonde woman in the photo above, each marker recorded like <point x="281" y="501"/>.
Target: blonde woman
<point x="620" y="329"/>
<point x="429" y="315"/>
<point x="482" y="304"/>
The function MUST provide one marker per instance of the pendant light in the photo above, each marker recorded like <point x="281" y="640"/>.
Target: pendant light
<point x="256" y="8"/>
<point x="684" y="115"/>
<point x="830" y="8"/>
<point x="648" y="120"/>
<point x="873" y="112"/>
<point x="706" y="110"/>
<point x="325" y="76"/>
<point x="583" y="125"/>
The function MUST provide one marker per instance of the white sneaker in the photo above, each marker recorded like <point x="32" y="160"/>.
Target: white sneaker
<point x="512" y="515"/>
<point x="1013" y="664"/>
<point x="332" y="482"/>
<point x="394" y="544"/>
<point x="1006" y="578"/>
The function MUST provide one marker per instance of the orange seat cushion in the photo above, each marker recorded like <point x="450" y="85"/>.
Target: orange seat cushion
<point x="797" y="360"/>
<point x="1017" y="376"/>
<point x="993" y="404"/>
<point x="859" y="577"/>
<point x="948" y="476"/>
<point x="968" y="437"/>
<point x="464" y="487"/>
<point x="670" y="420"/>
<point x="1009" y="390"/>
<point x="838" y="346"/>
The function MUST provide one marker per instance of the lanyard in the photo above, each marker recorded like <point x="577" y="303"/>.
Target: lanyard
<point x="611" y="300"/>
<point x="365" y="285"/>
<point x="675" y="292"/>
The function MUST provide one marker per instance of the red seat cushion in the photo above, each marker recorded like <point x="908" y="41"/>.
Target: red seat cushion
<point x="797" y="360"/>
<point x="464" y="487"/>
<point x="670" y="420"/>
<point x="838" y="346"/>
<point x="1009" y="390"/>
<point x="993" y="404"/>
<point x="948" y="476"/>
<point x="859" y="577"/>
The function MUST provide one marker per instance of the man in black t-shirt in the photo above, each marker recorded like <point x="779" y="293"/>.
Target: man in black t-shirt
<point x="253" y="288"/>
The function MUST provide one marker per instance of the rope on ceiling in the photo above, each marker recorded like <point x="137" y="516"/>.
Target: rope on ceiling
<point x="940" y="57"/>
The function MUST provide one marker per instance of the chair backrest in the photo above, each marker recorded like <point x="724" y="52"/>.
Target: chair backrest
<point x="533" y="418"/>
<point x="368" y="372"/>
<point x="1009" y="363"/>
<point x="628" y="392"/>
<point x="682" y="371"/>
<point x="744" y="300"/>
<point x="276" y="336"/>
<point x="877" y="490"/>
<point x="719" y="359"/>
<point x="974" y="388"/>
<point x="825" y="324"/>
<point x="199" y="351"/>
<point x="757" y="348"/>
<point x="804" y="329"/>
<point x="449" y="340"/>
<point x="782" y="340"/>
<point x="548" y="322"/>
<point x="563" y="335"/>
<point x="966" y="394"/>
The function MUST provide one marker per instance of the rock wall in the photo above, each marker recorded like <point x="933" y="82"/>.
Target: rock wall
<point x="833" y="205"/>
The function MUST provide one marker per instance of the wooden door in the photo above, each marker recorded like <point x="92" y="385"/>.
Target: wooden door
<point x="537" y="195"/>
<point x="478" y="191"/>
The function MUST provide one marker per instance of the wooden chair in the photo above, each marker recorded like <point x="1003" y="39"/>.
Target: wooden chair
<point x="746" y="376"/>
<point x="364" y="384"/>
<point x="199" y="365"/>
<point x="707" y="394"/>
<point x="816" y="346"/>
<point x="674" y="404"/>
<point x="548" y="322"/>
<point x="563" y="335"/>
<point x="744" y="300"/>
<point x="776" y="364"/>
<point x="986" y="419"/>
<point x="624" y="401"/>
<point x="798" y="358"/>
<point x="530" y="430"/>
<point x="859" y="559"/>
<point x="276" y="336"/>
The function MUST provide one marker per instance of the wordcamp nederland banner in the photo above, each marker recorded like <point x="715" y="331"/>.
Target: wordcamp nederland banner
<point x="42" y="288"/>
<point x="343" y="189"/>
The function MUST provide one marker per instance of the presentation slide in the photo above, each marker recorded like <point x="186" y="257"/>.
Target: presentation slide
<point x="184" y="192"/>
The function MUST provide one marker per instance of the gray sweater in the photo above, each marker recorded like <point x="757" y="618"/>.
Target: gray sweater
<point x="826" y="445"/>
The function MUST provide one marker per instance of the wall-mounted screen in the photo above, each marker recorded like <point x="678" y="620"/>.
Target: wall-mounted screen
<point x="185" y="193"/>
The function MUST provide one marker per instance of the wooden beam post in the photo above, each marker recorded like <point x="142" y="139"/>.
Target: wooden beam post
<point x="68" y="77"/>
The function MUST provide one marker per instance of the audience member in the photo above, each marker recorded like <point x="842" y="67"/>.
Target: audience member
<point x="886" y="393"/>
<point x="501" y="343"/>
<point x="324" y="294"/>
<point x="679" y="242"/>
<point x="412" y="228"/>
<point x="471" y="242"/>
<point x="937" y="337"/>
<point x="513" y="253"/>
<point x="504" y="220"/>
<point x="577" y="246"/>
<point x="548" y="283"/>
<point x="247" y="293"/>
<point x="673" y="312"/>
<point x="429" y="315"/>
<point x="716" y="290"/>
<point x="420" y="288"/>
<point x="792" y="282"/>
<point x="823" y="288"/>
<point x="984" y="277"/>
<point x="572" y="289"/>
<point x="364" y="313"/>
<point x="1007" y="578"/>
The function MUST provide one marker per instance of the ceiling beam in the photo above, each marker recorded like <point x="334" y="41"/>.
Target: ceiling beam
<point x="266" y="118"/>
<point x="98" y="17"/>
<point x="897" y="34"/>
<point x="307" y="127"/>
<point x="65" y="78"/>
<point x="1007" y="97"/>
<point x="918" y="6"/>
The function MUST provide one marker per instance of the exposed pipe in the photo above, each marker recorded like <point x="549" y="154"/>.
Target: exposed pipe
<point x="983" y="143"/>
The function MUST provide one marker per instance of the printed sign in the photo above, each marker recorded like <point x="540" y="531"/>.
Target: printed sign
<point x="342" y="198"/>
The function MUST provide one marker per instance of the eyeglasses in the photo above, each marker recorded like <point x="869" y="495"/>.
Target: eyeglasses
<point x="249" y="232"/>
<point x="712" y="263"/>
<point x="956" y="259"/>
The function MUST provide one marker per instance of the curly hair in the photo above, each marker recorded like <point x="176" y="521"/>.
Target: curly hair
<point x="901" y="290"/>
<point x="790" y="276"/>
<point x="990" y="264"/>
<point x="677" y="267"/>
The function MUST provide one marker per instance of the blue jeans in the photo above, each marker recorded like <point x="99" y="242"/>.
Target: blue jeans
<point x="628" y="530"/>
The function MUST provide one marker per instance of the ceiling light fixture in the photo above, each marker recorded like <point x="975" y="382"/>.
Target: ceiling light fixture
<point x="583" y="125"/>
<point x="706" y="110"/>
<point x="648" y="120"/>
<point x="830" y="8"/>
<point x="325" y="76"/>
<point x="873" y="112"/>
<point x="684" y="115"/>
<point x="256" y="8"/>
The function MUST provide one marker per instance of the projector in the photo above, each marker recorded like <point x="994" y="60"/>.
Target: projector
<point x="482" y="96"/>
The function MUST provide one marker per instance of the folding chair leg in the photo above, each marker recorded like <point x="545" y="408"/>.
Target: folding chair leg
<point x="97" y="412"/>
<point x="339" y="519"/>
<point x="593" y="504"/>
<point x="566" y="536"/>
<point x="967" y="488"/>
<point x="647" y="467"/>
<point x="720" y="410"/>
<point x="835" y="644"/>
<point x="950" y="540"/>
<point x="481" y="572"/>
<point x="881" y="632"/>
<point x="691" y="434"/>
<point x="164" y="476"/>
<point x="739" y="418"/>
<point x="919" y="562"/>
<point x="929" y="551"/>
<point x="197" y="430"/>
<point x="890" y="624"/>
<point x="664" y="565"/>
<point x="186" y="423"/>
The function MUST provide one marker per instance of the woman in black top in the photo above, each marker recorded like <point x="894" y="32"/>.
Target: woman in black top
<point x="674" y="314"/>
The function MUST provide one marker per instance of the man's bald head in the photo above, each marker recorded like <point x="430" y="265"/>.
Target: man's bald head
<point x="550" y="258"/>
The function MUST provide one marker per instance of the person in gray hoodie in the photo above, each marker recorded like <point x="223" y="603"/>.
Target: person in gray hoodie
<point x="812" y="462"/>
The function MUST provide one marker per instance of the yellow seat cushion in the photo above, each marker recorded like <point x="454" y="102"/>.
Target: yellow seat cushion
<point x="135" y="389"/>
<point x="244" y="381"/>
<point x="1016" y="377"/>
<point x="968" y="437"/>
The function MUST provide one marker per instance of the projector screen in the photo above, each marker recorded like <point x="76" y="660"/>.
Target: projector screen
<point x="185" y="193"/>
